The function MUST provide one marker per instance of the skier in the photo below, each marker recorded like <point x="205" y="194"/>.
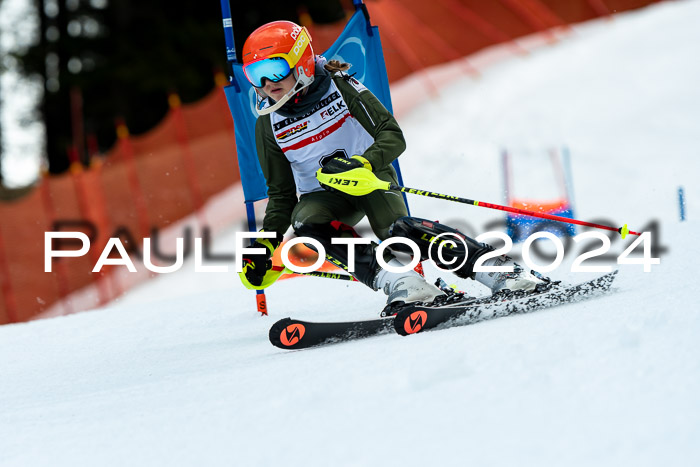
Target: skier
<point x="313" y="115"/>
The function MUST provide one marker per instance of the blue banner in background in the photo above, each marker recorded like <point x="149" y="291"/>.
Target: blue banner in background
<point x="358" y="44"/>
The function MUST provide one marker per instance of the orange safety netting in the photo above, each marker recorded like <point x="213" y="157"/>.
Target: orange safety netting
<point x="150" y="181"/>
<point x="145" y="182"/>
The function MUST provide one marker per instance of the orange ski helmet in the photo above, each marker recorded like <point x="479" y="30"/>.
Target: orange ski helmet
<point x="275" y="50"/>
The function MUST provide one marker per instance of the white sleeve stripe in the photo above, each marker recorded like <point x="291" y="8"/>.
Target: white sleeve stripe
<point x="367" y="113"/>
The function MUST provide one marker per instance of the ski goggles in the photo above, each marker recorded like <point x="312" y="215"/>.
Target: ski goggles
<point x="277" y="67"/>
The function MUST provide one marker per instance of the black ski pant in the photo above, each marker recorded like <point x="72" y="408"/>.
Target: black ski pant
<point x="325" y="215"/>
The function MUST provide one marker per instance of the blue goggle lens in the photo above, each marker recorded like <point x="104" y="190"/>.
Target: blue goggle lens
<point x="274" y="69"/>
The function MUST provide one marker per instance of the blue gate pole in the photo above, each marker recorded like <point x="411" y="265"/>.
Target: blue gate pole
<point x="681" y="202"/>
<point x="231" y="59"/>
<point x="228" y="35"/>
<point x="568" y="174"/>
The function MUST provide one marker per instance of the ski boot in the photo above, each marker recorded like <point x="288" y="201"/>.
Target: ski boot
<point x="404" y="288"/>
<point x="517" y="280"/>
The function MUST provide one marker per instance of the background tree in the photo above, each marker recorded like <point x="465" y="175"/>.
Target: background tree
<point x="106" y="59"/>
<point x="2" y="70"/>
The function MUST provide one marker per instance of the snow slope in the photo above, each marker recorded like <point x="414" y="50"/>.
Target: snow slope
<point x="180" y="372"/>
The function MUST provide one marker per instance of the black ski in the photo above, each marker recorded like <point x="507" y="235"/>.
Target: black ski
<point x="293" y="334"/>
<point x="416" y="317"/>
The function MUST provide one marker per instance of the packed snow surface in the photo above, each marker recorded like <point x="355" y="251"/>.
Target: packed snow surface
<point x="180" y="371"/>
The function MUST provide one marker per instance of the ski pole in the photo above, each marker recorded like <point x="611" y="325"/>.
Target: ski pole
<point x="326" y="275"/>
<point x="360" y="181"/>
